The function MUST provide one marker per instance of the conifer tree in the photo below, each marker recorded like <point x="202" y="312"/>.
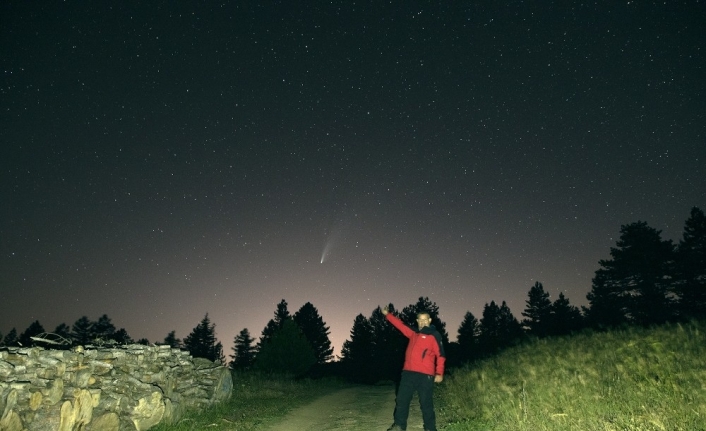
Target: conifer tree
<point x="510" y="324"/>
<point x="35" y="328"/>
<point x="607" y="303"/>
<point x="388" y="346"/>
<point x="172" y="341"/>
<point x="499" y="328"/>
<point x="538" y="311"/>
<point x="358" y="353"/>
<point x="491" y="333"/>
<point x="636" y="281"/>
<point x="287" y="352"/>
<point x="565" y="318"/>
<point x="316" y="332"/>
<point x="281" y="315"/>
<point x="243" y="351"/>
<point x="122" y="337"/>
<point x="63" y="330"/>
<point x="468" y="336"/>
<point x="10" y="339"/>
<point x="103" y="329"/>
<point x="81" y="332"/>
<point x="690" y="283"/>
<point x="201" y="342"/>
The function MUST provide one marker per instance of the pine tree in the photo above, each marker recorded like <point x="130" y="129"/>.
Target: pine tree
<point x="468" y="336"/>
<point x="509" y="323"/>
<point x="607" y="302"/>
<point x="565" y="318"/>
<point x="281" y="316"/>
<point x="287" y="352"/>
<point x="103" y="329"/>
<point x="81" y="331"/>
<point x="388" y="347"/>
<point x="499" y="328"/>
<point x="491" y="332"/>
<point x="35" y="328"/>
<point x="201" y="342"/>
<point x="316" y="332"/>
<point x="636" y="281"/>
<point x="63" y="331"/>
<point x="10" y="339"/>
<point x="243" y="351"/>
<point x="538" y="311"/>
<point x="690" y="280"/>
<point x="121" y="337"/>
<point x="172" y="341"/>
<point x="358" y="353"/>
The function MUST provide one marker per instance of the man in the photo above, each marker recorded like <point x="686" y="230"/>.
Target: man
<point x="423" y="366"/>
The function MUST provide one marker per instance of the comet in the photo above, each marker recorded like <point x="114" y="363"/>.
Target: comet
<point x="327" y="249"/>
<point x="331" y="240"/>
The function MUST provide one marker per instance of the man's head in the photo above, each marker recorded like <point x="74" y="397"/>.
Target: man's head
<point x="423" y="319"/>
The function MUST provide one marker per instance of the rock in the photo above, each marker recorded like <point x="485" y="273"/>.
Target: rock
<point x="224" y="385"/>
<point x="6" y="369"/>
<point x="106" y="422"/>
<point x="148" y="412"/>
<point x="53" y="395"/>
<point x="173" y="411"/>
<point x="35" y="400"/>
<point x="76" y="415"/>
<point x="10" y="420"/>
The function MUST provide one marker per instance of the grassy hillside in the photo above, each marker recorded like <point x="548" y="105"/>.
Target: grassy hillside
<point x="628" y="379"/>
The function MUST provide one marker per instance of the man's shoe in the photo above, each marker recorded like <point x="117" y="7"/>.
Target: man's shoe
<point x="395" y="427"/>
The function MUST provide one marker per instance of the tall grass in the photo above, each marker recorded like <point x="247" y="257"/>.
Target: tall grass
<point x="257" y="400"/>
<point x="632" y="379"/>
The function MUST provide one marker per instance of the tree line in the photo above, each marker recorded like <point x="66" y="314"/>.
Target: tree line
<point x="83" y="332"/>
<point x="646" y="281"/>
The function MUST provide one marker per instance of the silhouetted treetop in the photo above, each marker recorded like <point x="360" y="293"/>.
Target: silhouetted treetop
<point x="35" y="328"/>
<point x="281" y="315"/>
<point x="288" y="351"/>
<point x="201" y="342"/>
<point x="690" y="271"/>
<point x="315" y="330"/>
<point x="243" y="351"/>
<point x="634" y="285"/>
<point x="538" y="311"/>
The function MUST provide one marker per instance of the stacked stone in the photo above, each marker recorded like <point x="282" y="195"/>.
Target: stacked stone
<point x="129" y="388"/>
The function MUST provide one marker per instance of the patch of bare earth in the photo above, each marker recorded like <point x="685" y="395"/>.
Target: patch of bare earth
<point x="361" y="408"/>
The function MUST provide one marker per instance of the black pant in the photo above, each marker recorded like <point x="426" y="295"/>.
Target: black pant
<point x="423" y="384"/>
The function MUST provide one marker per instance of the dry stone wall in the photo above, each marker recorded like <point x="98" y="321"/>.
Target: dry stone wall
<point x="132" y="387"/>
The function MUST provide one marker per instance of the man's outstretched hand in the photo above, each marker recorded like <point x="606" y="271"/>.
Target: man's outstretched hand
<point x="385" y="311"/>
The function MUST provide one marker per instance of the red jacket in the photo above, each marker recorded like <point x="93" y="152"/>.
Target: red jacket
<point x="425" y="352"/>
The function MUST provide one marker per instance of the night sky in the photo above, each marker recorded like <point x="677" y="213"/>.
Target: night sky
<point x="162" y="161"/>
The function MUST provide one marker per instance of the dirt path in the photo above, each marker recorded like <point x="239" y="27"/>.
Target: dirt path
<point x="362" y="408"/>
